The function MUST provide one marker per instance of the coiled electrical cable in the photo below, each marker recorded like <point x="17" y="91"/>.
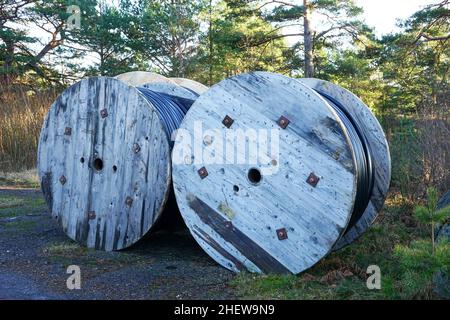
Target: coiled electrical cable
<point x="363" y="159"/>
<point x="171" y="109"/>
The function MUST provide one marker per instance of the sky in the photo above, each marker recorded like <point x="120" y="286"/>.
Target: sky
<point x="382" y="14"/>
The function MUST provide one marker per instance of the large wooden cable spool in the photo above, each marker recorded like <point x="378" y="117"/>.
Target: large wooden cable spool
<point x="286" y="211"/>
<point x="104" y="159"/>
<point x="379" y="149"/>
<point x="192" y="85"/>
<point x="140" y="78"/>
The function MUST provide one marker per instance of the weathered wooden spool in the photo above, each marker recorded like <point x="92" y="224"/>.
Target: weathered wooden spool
<point x="104" y="161"/>
<point x="288" y="209"/>
<point x="195" y="86"/>
<point x="140" y="78"/>
<point x="376" y="139"/>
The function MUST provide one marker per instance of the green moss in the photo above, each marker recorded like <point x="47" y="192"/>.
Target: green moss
<point x="18" y="206"/>
<point x="7" y="202"/>
<point x="20" y="225"/>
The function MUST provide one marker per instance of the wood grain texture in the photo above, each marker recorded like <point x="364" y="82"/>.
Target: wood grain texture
<point x="171" y="89"/>
<point x="139" y="78"/>
<point x="236" y="221"/>
<point x="379" y="148"/>
<point x="195" y="86"/>
<point x="111" y="208"/>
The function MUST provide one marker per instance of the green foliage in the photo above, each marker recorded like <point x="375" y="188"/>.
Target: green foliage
<point x="418" y="265"/>
<point x="406" y="155"/>
<point x="421" y="260"/>
<point x="168" y="34"/>
<point x="237" y="43"/>
<point x="106" y="36"/>
<point x="429" y="214"/>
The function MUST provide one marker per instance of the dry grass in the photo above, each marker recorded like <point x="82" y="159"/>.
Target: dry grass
<point x="22" y="113"/>
<point x="26" y="179"/>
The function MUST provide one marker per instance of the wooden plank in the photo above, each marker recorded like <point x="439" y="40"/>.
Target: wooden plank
<point x="314" y="141"/>
<point x="171" y="89"/>
<point x="195" y="86"/>
<point x="379" y="149"/>
<point x="115" y="163"/>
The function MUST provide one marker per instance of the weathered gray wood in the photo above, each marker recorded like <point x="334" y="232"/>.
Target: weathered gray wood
<point x="139" y="78"/>
<point x="171" y="89"/>
<point x="195" y="86"/>
<point x="379" y="148"/>
<point x="113" y="207"/>
<point x="236" y="221"/>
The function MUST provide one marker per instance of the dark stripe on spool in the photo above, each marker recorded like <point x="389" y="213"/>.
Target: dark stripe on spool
<point x="216" y="246"/>
<point x="257" y="255"/>
<point x="363" y="157"/>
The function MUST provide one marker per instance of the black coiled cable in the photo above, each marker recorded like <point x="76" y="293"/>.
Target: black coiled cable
<point x="171" y="109"/>
<point x="363" y="157"/>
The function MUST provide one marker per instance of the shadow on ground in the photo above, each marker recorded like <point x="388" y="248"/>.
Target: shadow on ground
<point x="35" y="254"/>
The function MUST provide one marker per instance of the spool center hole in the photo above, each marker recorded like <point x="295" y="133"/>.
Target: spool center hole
<point x="98" y="164"/>
<point x="254" y="176"/>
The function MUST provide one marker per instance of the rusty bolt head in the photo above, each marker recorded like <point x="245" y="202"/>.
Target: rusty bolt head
<point x="63" y="180"/>
<point x="283" y="122"/>
<point x="129" y="201"/>
<point x="91" y="215"/>
<point x="68" y="131"/>
<point x="104" y="113"/>
<point x="282" y="234"/>
<point x="202" y="172"/>
<point x="313" y="180"/>
<point x="227" y="121"/>
<point x="136" y="148"/>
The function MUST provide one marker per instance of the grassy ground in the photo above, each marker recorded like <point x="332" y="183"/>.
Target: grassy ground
<point x="35" y="254"/>
<point x="342" y="275"/>
<point x="23" y="179"/>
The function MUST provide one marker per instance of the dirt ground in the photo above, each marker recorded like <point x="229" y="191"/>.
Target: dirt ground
<point x="35" y="254"/>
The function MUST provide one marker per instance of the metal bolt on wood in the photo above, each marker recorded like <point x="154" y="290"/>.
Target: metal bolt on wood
<point x="313" y="180"/>
<point x="283" y="122"/>
<point x="227" y="121"/>
<point x="104" y="113"/>
<point x="68" y="131"/>
<point x="63" y="180"/>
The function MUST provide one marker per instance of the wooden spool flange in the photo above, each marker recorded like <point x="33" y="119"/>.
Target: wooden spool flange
<point x="379" y="149"/>
<point x="139" y="78"/>
<point x="195" y="86"/>
<point x="171" y="89"/>
<point x="104" y="163"/>
<point x="284" y="212"/>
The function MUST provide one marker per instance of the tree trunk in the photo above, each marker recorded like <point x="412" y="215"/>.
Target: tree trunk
<point x="211" y="45"/>
<point x="7" y="73"/>
<point x="308" y="40"/>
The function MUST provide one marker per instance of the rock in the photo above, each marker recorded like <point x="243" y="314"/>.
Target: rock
<point x="441" y="281"/>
